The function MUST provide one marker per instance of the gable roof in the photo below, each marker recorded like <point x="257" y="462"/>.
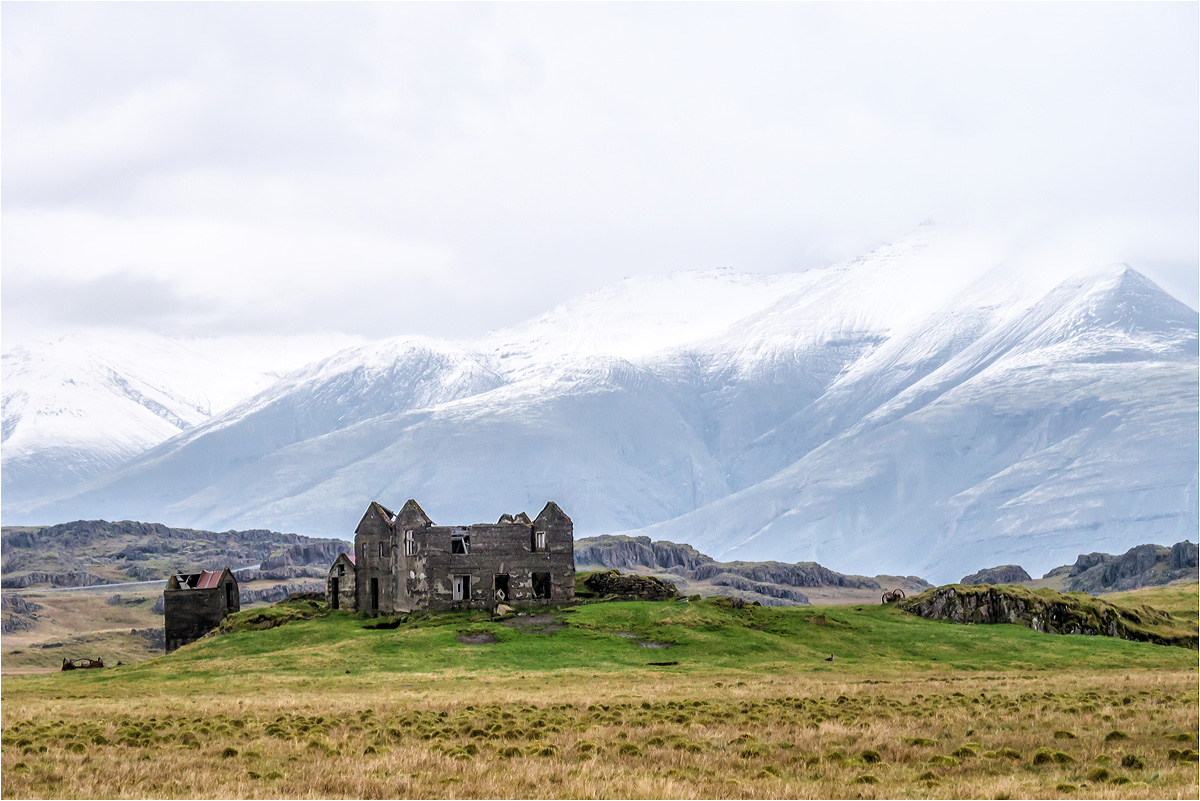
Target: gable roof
<point x="204" y="580"/>
<point x="552" y="513"/>
<point x="412" y="509"/>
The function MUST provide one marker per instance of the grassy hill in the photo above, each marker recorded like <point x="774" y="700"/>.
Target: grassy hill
<point x="568" y="703"/>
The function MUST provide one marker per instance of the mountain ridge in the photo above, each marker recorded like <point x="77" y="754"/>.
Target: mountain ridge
<point x="855" y="413"/>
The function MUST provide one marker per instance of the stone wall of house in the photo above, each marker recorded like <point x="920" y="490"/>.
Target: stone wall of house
<point x="374" y="555"/>
<point x="498" y="555"/>
<point x="190" y="614"/>
<point x="340" y="586"/>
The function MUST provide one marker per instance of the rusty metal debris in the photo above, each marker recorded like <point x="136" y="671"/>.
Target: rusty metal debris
<point x="82" y="664"/>
<point x="891" y="596"/>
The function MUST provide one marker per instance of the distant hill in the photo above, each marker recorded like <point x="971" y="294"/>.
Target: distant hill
<point x="769" y="583"/>
<point x="87" y="552"/>
<point x="1141" y="566"/>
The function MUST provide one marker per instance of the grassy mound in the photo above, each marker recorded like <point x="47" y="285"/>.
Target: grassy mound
<point x="1050" y="611"/>
<point x="270" y="617"/>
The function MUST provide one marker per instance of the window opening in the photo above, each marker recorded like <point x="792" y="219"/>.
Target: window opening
<point x="461" y="588"/>
<point x="460" y="543"/>
<point x="410" y="545"/>
<point x="500" y="587"/>
<point x="229" y="595"/>
<point x="541" y="585"/>
<point x="374" y="595"/>
<point x="383" y="549"/>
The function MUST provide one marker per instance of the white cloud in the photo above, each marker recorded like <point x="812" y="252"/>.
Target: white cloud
<point x="273" y="164"/>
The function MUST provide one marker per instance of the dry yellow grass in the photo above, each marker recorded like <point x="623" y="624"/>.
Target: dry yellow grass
<point x="639" y="734"/>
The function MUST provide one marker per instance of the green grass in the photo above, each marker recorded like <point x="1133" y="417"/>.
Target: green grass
<point x="704" y="637"/>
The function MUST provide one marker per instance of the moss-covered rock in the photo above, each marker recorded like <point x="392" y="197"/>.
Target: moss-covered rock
<point x="1049" y="611"/>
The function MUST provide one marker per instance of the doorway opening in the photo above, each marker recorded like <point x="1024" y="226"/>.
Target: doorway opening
<point x="500" y="588"/>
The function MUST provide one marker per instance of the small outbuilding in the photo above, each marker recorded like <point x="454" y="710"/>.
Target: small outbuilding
<point x="196" y="603"/>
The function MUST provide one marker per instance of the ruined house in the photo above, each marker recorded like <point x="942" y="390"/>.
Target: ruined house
<point x="195" y="603"/>
<point x="403" y="562"/>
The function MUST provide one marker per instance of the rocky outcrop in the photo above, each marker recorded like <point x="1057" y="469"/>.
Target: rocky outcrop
<point x="18" y="614"/>
<point x="770" y="590"/>
<point x="126" y="600"/>
<point x="1142" y="566"/>
<point x="75" y="578"/>
<point x="801" y="574"/>
<point x="281" y="592"/>
<point x="316" y="552"/>
<point x="283" y="573"/>
<point x="630" y="552"/>
<point x="630" y="588"/>
<point x="1048" y="611"/>
<point x="1005" y="574"/>
<point x="770" y="583"/>
<point x="67" y="554"/>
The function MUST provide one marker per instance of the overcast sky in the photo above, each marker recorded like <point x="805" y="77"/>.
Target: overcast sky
<point x="450" y="168"/>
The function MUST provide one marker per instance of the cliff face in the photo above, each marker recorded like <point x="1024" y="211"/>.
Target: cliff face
<point x="1049" y="611"/>
<point x="801" y="574"/>
<point x="1005" y="574"/>
<point x="769" y="583"/>
<point x="631" y="552"/>
<point x="88" y="552"/>
<point x="1143" y="566"/>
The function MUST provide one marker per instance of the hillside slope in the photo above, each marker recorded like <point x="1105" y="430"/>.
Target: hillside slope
<point x="919" y="410"/>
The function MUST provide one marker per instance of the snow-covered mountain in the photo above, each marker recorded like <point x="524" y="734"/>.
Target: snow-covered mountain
<point x="79" y="405"/>
<point x="928" y="408"/>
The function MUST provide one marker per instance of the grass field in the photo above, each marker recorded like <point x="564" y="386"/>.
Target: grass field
<point x="567" y="704"/>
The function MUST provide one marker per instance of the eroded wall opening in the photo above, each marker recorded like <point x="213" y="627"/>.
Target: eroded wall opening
<point x="500" y="587"/>
<point x="541" y="585"/>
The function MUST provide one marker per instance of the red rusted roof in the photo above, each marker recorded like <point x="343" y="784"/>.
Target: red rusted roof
<point x="350" y="556"/>
<point x="208" y="579"/>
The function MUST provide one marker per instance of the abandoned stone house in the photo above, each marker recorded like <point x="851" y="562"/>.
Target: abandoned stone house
<point x="196" y="603"/>
<point x="403" y="562"/>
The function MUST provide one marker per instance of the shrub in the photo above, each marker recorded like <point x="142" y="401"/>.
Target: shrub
<point x="1133" y="762"/>
<point x="1098" y="775"/>
<point x="229" y="752"/>
<point x="1114" y="735"/>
